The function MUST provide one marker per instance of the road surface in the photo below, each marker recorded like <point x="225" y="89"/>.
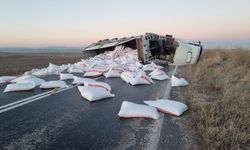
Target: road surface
<point x="65" y="120"/>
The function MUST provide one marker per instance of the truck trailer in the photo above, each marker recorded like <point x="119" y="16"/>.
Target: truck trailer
<point x="152" y="46"/>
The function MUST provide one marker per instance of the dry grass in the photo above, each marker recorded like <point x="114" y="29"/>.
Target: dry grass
<point x="219" y="98"/>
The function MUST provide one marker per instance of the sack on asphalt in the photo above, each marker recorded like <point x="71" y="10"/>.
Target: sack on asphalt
<point x="81" y="81"/>
<point x="178" y="82"/>
<point x="75" y="70"/>
<point x="53" y="84"/>
<point x="159" y="75"/>
<point x="21" y="78"/>
<point x="93" y="73"/>
<point x="98" y="85"/>
<point x="53" y="69"/>
<point x="36" y="81"/>
<point x="141" y="79"/>
<point x="124" y="76"/>
<point x="6" y="79"/>
<point x="151" y="67"/>
<point x="94" y="93"/>
<point x="66" y="76"/>
<point x="112" y="73"/>
<point x="133" y="110"/>
<point x="168" y="106"/>
<point x="40" y="72"/>
<point x="19" y="87"/>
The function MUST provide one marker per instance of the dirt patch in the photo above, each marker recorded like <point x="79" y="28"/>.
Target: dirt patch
<point x="18" y="63"/>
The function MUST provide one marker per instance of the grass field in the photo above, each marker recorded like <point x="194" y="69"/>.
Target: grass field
<point x="219" y="99"/>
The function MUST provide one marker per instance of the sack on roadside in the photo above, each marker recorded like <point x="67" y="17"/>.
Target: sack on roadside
<point x="133" y="110"/>
<point x="53" y="84"/>
<point x="66" y="76"/>
<point x="178" y="82"/>
<point x="93" y="73"/>
<point x="140" y="79"/>
<point x="168" y="106"/>
<point x="98" y="85"/>
<point x="19" y="87"/>
<point x="21" y="78"/>
<point x="125" y="77"/>
<point x="40" y="72"/>
<point x="53" y="69"/>
<point x="94" y="93"/>
<point x="112" y="73"/>
<point x="81" y="81"/>
<point x="159" y="75"/>
<point x="36" y="81"/>
<point x="6" y="79"/>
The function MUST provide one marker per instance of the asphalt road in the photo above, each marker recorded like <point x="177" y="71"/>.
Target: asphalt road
<point x="67" y="121"/>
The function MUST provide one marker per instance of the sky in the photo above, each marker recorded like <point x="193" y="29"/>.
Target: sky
<point x="36" y="23"/>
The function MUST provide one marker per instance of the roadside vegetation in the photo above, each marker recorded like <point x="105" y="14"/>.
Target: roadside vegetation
<point x="219" y="99"/>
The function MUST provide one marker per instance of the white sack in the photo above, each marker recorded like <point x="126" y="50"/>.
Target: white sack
<point x="168" y="106"/>
<point x="98" y="85"/>
<point x="151" y="67"/>
<point x="94" y="93"/>
<point x="6" y="79"/>
<point x="41" y="72"/>
<point x="66" y="76"/>
<point x="112" y="73"/>
<point x="21" y="78"/>
<point x="132" y="110"/>
<point x="19" y="87"/>
<point x="53" y="69"/>
<point x="141" y="79"/>
<point x="178" y="82"/>
<point x="92" y="73"/>
<point x="81" y="81"/>
<point x="159" y="75"/>
<point x="124" y="76"/>
<point x="75" y="70"/>
<point x="36" y="81"/>
<point x="53" y="84"/>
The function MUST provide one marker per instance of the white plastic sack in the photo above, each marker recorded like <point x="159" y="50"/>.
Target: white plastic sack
<point x="168" y="106"/>
<point x="112" y="73"/>
<point x="36" y="81"/>
<point x="94" y="93"/>
<point x="133" y="110"/>
<point x="41" y="72"/>
<point x="81" y="81"/>
<point x="141" y="79"/>
<point x="75" y="70"/>
<point x="151" y="67"/>
<point x="125" y="77"/>
<point x="92" y="73"/>
<point x="66" y="76"/>
<point x="138" y="81"/>
<point x="19" y="87"/>
<point x="178" y="82"/>
<point x="21" y="78"/>
<point x="159" y="75"/>
<point x="6" y="79"/>
<point x="53" y="84"/>
<point x="53" y="69"/>
<point x="98" y="85"/>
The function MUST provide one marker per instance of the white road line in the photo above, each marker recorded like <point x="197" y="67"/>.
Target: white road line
<point x="35" y="99"/>
<point x="25" y="99"/>
<point x="22" y="102"/>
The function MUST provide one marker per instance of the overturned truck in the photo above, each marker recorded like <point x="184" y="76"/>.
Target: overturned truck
<point x="152" y="47"/>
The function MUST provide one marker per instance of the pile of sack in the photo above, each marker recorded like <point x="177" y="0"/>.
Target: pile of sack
<point x="121" y="63"/>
